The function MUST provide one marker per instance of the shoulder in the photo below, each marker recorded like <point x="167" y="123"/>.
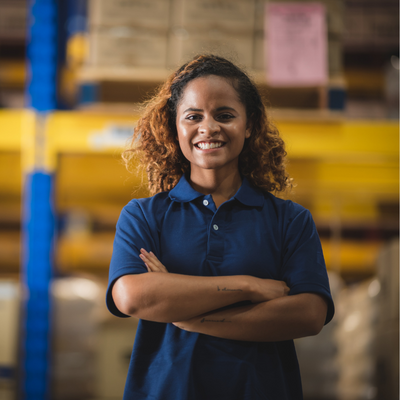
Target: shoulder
<point x="148" y="208"/>
<point x="159" y="200"/>
<point x="286" y="209"/>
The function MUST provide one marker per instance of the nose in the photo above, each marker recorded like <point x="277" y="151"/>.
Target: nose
<point x="209" y="126"/>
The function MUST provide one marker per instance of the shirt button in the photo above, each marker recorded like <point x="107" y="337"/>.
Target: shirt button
<point x="215" y="226"/>
<point x="205" y="202"/>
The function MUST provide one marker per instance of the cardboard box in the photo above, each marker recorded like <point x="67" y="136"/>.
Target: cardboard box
<point x="116" y="338"/>
<point x="10" y="293"/>
<point x="388" y="274"/>
<point x="13" y="20"/>
<point x="232" y="15"/>
<point x="372" y="24"/>
<point x="127" y="47"/>
<point x="335" y="56"/>
<point x="185" y="44"/>
<point x="259" y="56"/>
<point x="141" y="13"/>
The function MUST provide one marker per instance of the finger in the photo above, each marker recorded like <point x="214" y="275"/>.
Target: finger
<point x="159" y="264"/>
<point x="152" y="261"/>
<point x="152" y="258"/>
<point x="150" y="266"/>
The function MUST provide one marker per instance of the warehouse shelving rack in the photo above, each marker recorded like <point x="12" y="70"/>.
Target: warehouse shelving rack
<point x="342" y="168"/>
<point x="346" y="168"/>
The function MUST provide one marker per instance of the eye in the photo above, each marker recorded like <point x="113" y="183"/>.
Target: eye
<point x="225" y="116"/>
<point x="193" y="117"/>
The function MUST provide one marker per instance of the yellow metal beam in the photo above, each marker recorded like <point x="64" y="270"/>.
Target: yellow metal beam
<point x="350" y="141"/>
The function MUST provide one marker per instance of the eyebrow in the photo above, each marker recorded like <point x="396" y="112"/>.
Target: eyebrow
<point x="218" y="109"/>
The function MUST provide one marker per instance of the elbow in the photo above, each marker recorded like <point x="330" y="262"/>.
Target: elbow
<point x="126" y="300"/>
<point x="315" y="326"/>
<point x="127" y="306"/>
<point x="317" y="309"/>
<point x="316" y="322"/>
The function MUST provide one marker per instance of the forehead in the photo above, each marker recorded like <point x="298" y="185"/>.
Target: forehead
<point x="209" y="88"/>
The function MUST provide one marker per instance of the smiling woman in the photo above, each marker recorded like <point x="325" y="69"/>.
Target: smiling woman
<point x="222" y="274"/>
<point x="212" y="127"/>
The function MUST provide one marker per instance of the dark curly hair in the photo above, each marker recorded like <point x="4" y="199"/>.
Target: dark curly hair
<point x="155" y="145"/>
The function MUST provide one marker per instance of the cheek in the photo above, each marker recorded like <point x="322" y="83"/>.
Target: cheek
<point x="184" y="143"/>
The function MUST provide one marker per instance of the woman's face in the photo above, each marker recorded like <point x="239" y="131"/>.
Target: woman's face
<point x="211" y="124"/>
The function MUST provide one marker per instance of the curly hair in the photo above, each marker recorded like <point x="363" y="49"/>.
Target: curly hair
<point x="155" y="144"/>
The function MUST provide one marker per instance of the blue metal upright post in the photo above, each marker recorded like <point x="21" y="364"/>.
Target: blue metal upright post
<point x="38" y="214"/>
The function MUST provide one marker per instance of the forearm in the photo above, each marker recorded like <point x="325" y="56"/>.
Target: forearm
<point x="280" y="319"/>
<point x="165" y="297"/>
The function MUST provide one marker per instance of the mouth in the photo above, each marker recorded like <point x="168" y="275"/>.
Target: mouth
<point x="209" y="145"/>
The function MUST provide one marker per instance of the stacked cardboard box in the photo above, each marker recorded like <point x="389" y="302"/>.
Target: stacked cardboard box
<point x="13" y="20"/>
<point x="166" y="33"/>
<point x="128" y="33"/>
<point x="222" y="27"/>
<point x="372" y="25"/>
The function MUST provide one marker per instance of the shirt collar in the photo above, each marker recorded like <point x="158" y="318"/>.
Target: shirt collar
<point x="183" y="191"/>
<point x="247" y="194"/>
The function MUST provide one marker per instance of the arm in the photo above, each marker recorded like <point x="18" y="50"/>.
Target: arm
<point x="165" y="297"/>
<point x="280" y="319"/>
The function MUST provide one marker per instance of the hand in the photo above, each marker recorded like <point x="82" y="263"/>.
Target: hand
<point x="190" y="325"/>
<point x="185" y="325"/>
<point x="267" y="289"/>
<point x="151" y="261"/>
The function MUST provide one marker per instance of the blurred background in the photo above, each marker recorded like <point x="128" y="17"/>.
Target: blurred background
<point x="72" y="75"/>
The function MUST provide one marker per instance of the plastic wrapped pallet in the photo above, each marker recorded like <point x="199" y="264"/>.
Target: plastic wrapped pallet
<point x="357" y="316"/>
<point x="387" y="334"/>
<point x="317" y="356"/>
<point x="116" y="337"/>
<point x="10" y="294"/>
<point x="78" y="304"/>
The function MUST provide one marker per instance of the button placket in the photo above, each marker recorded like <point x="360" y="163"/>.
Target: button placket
<point x="216" y="237"/>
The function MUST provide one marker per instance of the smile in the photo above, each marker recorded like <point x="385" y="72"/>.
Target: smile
<point x="209" y="145"/>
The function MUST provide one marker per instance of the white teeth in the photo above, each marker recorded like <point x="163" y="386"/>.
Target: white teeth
<point x="213" y="145"/>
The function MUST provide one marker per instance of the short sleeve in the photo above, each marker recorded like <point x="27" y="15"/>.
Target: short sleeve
<point x="132" y="233"/>
<point x="303" y="267"/>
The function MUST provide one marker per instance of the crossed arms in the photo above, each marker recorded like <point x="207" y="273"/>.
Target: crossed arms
<point x="194" y="303"/>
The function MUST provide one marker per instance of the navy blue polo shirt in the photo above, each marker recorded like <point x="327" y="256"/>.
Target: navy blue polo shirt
<point x="254" y="233"/>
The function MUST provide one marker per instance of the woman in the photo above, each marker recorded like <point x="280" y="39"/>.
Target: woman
<point x="222" y="274"/>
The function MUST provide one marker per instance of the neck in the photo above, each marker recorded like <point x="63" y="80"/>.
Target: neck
<point x="221" y="186"/>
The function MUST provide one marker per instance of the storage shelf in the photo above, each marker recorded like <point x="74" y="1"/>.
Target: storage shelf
<point x="148" y="74"/>
<point x="93" y="253"/>
<point x="344" y="170"/>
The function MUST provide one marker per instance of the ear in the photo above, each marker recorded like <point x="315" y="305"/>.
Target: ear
<point x="247" y="133"/>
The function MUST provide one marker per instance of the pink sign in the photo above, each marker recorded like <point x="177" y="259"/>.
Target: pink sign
<point x="296" y="44"/>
